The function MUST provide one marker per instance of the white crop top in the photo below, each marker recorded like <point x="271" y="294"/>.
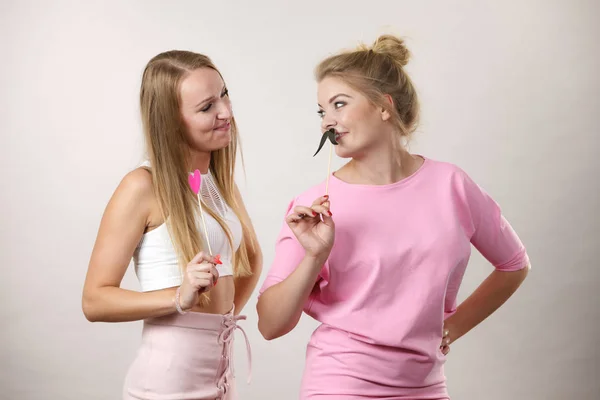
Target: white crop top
<point x="155" y="259"/>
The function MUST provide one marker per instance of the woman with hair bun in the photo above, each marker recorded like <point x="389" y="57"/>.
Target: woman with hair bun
<point x="379" y="261"/>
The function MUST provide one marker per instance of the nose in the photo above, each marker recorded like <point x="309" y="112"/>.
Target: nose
<point x="224" y="111"/>
<point x="327" y="123"/>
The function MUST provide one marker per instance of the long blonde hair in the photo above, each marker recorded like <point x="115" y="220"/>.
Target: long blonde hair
<point x="168" y="152"/>
<point x="375" y="72"/>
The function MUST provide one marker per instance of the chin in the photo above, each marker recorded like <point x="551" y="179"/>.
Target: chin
<point x="222" y="143"/>
<point x="343" y="152"/>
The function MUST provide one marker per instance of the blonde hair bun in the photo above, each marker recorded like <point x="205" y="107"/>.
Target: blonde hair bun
<point x="393" y="47"/>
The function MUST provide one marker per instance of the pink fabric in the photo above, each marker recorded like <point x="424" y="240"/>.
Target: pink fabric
<point x="185" y="357"/>
<point x="392" y="277"/>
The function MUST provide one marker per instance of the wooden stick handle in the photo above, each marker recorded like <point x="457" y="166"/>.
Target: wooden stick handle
<point x="328" y="169"/>
<point x="204" y="224"/>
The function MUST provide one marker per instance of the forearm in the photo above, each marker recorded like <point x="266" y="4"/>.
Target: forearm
<point x="494" y="291"/>
<point x="280" y="306"/>
<point x="113" y="304"/>
<point x="244" y="286"/>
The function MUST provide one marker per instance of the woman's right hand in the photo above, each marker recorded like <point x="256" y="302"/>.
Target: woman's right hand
<point x="315" y="234"/>
<point x="200" y="276"/>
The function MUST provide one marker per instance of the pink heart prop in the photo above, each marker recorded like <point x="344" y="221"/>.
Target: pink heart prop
<point x="195" y="180"/>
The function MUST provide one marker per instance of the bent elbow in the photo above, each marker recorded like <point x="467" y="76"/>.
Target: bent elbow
<point x="265" y="333"/>
<point x="268" y="333"/>
<point x="268" y="330"/>
<point x="89" y="314"/>
<point x="90" y="311"/>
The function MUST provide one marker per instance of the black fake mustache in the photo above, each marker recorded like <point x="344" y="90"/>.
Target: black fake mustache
<point x="330" y="134"/>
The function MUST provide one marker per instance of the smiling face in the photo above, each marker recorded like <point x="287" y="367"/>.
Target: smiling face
<point x="360" y="126"/>
<point x="206" y="110"/>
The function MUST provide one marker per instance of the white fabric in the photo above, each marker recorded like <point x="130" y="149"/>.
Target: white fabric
<point x="155" y="259"/>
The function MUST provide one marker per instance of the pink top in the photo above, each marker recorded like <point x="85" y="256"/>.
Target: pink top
<point x="399" y="256"/>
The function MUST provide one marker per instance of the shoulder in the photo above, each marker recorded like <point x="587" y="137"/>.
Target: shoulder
<point x="463" y="186"/>
<point x="444" y="169"/>
<point x="135" y="193"/>
<point x="137" y="184"/>
<point x="309" y="195"/>
<point x="447" y="174"/>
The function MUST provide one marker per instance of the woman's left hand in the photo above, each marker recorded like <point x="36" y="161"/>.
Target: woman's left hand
<point x="445" y="345"/>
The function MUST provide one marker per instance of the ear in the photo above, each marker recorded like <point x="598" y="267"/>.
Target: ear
<point x="385" y="114"/>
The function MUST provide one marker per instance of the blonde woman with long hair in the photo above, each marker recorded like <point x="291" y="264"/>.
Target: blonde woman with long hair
<point x="379" y="262"/>
<point x="153" y="218"/>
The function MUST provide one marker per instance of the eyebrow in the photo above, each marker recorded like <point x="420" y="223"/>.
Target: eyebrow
<point x="210" y="98"/>
<point x="335" y="97"/>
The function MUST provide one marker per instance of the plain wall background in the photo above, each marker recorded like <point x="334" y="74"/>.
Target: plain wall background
<point x="510" y="92"/>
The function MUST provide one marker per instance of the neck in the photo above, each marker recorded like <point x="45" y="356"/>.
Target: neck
<point x="383" y="167"/>
<point x="200" y="160"/>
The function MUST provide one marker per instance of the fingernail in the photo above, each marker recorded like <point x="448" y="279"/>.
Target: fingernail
<point x="329" y="212"/>
<point x="326" y="196"/>
<point x="314" y="214"/>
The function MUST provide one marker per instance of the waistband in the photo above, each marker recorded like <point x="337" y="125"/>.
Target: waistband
<point x="193" y="320"/>
<point x="226" y="325"/>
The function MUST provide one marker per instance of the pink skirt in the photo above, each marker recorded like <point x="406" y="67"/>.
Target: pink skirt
<point x="185" y="357"/>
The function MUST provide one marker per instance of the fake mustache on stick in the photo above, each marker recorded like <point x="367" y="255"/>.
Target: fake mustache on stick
<point x="330" y="134"/>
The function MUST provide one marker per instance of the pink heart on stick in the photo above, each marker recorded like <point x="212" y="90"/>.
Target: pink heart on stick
<point x="195" y="180"/>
